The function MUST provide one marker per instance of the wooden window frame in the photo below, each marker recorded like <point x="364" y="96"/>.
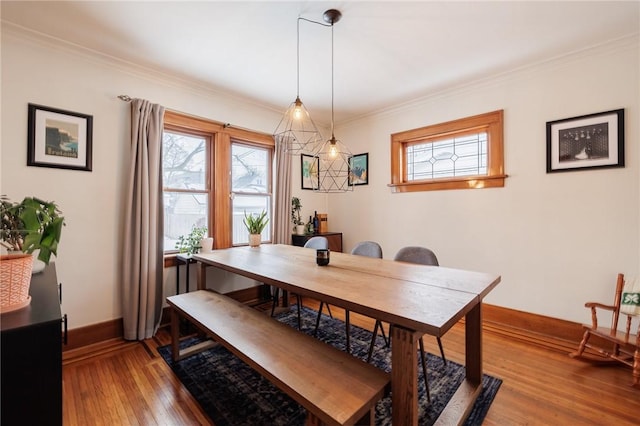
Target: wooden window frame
<point x="219" y="183"/>
<point x="491" y="123"/>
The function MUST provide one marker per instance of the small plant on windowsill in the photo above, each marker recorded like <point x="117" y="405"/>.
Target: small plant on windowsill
<point x="255" y="224"/>
<point x="190" y="244"/>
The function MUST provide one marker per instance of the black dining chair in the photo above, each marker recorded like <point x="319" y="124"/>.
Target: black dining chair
<point x="313" y="243"/>
<point x="363" y="248"/>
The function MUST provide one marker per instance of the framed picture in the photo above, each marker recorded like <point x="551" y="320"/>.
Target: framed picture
<point x="359" y="169"/>
<point x="586" y="142"/>
<point x="59" y="139"/>
<point x="309" y="172"/>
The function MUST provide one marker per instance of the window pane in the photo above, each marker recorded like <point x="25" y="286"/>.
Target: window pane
<point x="182" y="211"/>
<point x="183" y="161"/>
<point x="459" y="156"/>
<point x="252" y="204"/>
<point x="249" y="169"/>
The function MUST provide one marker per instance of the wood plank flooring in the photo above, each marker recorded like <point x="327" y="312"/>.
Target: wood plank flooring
<point x="127" y="383"/>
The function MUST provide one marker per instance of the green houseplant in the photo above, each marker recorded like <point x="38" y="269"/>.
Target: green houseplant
<point x="190" y="243"/>
<point x="27" y="226"/>
<point x="30" y="225"/>
<point x="255" y="224"/>
<point x="296" y="206"/>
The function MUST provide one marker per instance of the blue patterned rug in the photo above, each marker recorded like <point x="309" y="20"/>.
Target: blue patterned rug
<point x="233" y="394"/>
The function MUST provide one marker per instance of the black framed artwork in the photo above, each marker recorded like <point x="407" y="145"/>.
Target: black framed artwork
<point x="59" y="139"/>
<point x="359" y="169"/>
<point x="309" y="172"/>
<point x="586" y="142"/>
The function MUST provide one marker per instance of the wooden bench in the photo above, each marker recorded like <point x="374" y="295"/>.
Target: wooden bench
<point x="334" y="387"/>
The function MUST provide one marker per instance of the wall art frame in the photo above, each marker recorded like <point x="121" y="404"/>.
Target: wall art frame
<point x="309" y="172"/>
<point x="59" y="139"/>
<point x="590" y="141"/>
<point x="359" y="169"/>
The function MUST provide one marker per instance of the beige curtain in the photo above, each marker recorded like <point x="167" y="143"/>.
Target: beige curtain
<point x="282" y="204"/>
<point x="142" y="253"/>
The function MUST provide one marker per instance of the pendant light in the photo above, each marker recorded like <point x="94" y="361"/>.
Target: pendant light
<point x="296" y="130"/>
<point x="333" y="156"/>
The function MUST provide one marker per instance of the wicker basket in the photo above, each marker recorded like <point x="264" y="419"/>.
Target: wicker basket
<point x="15" y="278"/>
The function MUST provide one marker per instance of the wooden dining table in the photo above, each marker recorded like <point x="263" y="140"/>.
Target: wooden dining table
<point x="416" y="299"/>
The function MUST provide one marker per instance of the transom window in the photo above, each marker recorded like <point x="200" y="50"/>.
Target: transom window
<point x="458" y="156"/>
<point x="465" y="153"/>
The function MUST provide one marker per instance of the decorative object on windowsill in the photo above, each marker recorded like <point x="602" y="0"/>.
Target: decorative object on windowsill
<point x="255" y="225"/>
<point x="206" y="245"/>
<point x="191" y="243"/>
<point x="296" y="206"/>
<point x="296" y="130"/>
<point x="30" y="225"/>
<point x="333" y="155"/>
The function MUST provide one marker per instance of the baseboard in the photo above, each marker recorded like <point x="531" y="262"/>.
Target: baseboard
<point x="548" y="332"/>
<point x="114" y="329"/>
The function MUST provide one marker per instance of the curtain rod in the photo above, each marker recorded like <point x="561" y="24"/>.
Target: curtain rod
<point x="127" y="98"/>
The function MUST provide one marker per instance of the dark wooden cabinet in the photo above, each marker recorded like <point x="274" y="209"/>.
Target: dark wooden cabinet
<point x="31" y="356"/>
<point x="335" y="239"/>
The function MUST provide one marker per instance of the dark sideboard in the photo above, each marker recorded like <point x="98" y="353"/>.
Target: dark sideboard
<point x="335" y="239"/>
<point x="31" y="356"/>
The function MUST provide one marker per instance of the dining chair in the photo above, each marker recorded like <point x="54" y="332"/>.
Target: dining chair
<point x="363" y="248"/>
<point x="313" y="243"/>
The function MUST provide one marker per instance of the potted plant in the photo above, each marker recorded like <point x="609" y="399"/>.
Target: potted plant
<point x="255" y="225"/>
<point x="296" y="206"/>
<point x="191" y="243"/>
<point x="30" y="225"/>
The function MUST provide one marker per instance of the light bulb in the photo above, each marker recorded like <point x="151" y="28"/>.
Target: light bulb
<point x="297" y="113"/>
<point x="333" y="152"/>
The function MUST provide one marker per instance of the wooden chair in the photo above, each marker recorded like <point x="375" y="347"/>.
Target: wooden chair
<point x="614" y="345"/>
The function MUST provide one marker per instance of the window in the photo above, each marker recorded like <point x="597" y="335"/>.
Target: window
<point x="250" y="186"/>
<point x="186" y="184"/>
<point x="199" y="156"/>
<point x="465" y="153"/>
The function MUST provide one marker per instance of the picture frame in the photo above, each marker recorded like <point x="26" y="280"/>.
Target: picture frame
<point x="309" y="172"/>
<point x="59" y="139"/>
<point x="359" y="169"/>
<point x="586" y="142"/>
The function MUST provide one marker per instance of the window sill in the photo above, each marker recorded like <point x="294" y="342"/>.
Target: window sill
<point x="472" y="182"/>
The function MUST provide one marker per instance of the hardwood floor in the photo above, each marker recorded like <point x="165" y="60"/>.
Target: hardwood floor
<point x="127" y="383"/>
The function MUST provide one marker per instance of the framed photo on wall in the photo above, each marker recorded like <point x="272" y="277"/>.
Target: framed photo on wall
<point x="309" y="172"/>
<point x="59" y="139"/>
<point x="586" y="142"/>
<point x="359" y="169"/>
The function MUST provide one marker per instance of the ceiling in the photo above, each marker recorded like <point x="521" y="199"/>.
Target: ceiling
<point x="386" y="53"/>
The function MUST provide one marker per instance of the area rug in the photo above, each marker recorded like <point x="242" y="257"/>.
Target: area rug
<point x="233" y="394"/>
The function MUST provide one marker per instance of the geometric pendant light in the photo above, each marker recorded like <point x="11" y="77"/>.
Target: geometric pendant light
<point x="296" y="130"/>
<point x="333" y="156"/>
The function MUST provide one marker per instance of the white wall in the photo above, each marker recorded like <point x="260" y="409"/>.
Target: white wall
<point x="557" y="239"/>
<point x="37" y="70"/>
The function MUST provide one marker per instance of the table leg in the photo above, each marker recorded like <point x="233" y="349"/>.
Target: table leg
<point x="460" y="405"/>
<point x="187" y="276"/>
<point x="178" y="262"/>
<point x="404" y="376"/>
<point x="202" y="276"/>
